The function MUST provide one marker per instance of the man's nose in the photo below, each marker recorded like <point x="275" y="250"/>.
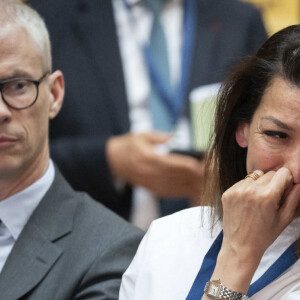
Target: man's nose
<point x="5" y="113"/>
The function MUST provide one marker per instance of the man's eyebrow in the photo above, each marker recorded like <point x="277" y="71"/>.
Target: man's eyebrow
<point x="277" y="122"/>
<point x="16" y="74"/>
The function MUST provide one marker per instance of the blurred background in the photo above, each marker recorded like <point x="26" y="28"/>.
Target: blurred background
<point x="278" y="13"/>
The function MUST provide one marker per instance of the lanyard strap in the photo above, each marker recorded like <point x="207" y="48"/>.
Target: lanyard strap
<point x="206" y="270"/>
<point x="288" y="258"/>
<point x="173" y="99"/>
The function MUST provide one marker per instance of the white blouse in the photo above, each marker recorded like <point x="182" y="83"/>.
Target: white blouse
<point x="171" y="253"/>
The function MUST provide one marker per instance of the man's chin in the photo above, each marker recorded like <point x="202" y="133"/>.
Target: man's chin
<point x="8" y="166"/>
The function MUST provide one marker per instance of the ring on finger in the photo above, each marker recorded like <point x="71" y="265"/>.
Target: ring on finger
<point x="253" y="175"/>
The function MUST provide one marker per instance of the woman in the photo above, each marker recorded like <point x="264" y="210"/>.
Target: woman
<point x="246" y="243"/>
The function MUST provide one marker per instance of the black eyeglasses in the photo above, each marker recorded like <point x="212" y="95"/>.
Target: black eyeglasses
<point x="20" y="93"/>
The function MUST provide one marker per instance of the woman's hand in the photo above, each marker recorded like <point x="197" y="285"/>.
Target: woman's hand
<point x="255" y="212"/>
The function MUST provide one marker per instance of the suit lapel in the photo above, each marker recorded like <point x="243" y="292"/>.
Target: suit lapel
<point x="95" y="28"/>
<point x="202" y="70"/>
<point x="208" y="23"/>
<point x="35" y="252"/>
<point x="28" y="263"/>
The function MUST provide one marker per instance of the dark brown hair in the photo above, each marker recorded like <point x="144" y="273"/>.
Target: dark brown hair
<point x="238" y="100"/>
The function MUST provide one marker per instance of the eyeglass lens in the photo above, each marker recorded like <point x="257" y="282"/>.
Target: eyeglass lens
<point x="19" y="93"/>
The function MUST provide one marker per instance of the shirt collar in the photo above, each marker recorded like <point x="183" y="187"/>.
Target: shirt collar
<point x="132" y="3"/>
<point x="17" y="209"/>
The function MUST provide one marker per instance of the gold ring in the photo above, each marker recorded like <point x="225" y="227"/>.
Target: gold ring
<point x="253" y="176"/>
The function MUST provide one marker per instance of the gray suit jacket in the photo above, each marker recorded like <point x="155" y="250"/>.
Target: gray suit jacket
<point x="71" y="248"/>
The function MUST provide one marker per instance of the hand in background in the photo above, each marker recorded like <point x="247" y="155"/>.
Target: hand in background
<point x="133" y="158"/>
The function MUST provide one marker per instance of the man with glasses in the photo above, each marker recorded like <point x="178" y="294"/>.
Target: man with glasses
<point x="54" y="243"/>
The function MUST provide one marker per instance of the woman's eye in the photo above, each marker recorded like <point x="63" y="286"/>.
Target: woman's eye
<point x="276" y="134"/>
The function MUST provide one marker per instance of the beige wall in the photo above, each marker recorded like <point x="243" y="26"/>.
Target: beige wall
<point x="278" y="13"/>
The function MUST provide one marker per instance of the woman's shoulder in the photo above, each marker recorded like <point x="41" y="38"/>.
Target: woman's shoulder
<point x="176" y="242"/>
<point x="187" y="222"/>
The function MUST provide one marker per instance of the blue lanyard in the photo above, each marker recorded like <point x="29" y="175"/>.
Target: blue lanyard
<point x="173" y="100"/>
<point x="288" y="258"/>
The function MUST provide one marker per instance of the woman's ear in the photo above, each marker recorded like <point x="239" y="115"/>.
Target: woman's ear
<point x="242" y="134"/>
<point x="57" y="91"/>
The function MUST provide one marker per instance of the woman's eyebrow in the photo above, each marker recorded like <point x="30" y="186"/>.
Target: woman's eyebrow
<point x="277" y="122"/>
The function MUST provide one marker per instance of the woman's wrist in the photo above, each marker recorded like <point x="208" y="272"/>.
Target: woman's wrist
<point x="234" y="271"/>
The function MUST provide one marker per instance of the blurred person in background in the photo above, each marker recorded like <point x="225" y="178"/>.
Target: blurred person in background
<point x="129" y="68"/>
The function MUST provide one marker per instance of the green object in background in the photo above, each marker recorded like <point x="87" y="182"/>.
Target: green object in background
<point x="203" y="105"/>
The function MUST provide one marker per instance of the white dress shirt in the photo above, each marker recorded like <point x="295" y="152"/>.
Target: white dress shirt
<point x="133" y="30"/>
<point x="16" y="210"/>
<point x="171" y="253"/>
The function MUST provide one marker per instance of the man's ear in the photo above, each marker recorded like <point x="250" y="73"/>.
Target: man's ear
<point x="242" y="134"/>
<point x="57" y="91"/>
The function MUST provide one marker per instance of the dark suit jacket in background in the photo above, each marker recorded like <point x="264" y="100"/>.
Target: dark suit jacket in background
<point x="85" y="48"/>
<point x="71" y="248"/>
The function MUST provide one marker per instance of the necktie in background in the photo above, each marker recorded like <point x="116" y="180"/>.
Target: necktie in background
<point x="162" y="103"/>
<point x="161" y="115"/>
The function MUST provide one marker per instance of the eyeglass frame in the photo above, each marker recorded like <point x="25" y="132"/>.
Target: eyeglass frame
<point x="35" y="82"/>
